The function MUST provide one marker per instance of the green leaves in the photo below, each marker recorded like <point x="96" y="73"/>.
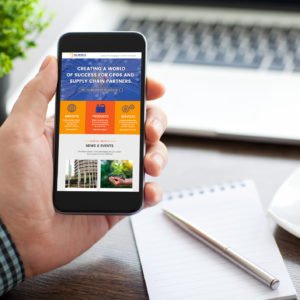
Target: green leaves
<point x="21" y="21"/>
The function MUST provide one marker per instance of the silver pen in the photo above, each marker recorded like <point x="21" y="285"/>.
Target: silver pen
<point x="225" y="251"/>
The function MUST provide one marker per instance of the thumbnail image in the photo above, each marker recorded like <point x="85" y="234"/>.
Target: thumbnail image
<point x="116" y="173"/>
<point x="81" y="173"/>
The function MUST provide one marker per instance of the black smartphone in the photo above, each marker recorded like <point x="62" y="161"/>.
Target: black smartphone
<point x="99" y="123"/>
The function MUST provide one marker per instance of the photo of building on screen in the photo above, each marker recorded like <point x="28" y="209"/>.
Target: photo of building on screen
<point x="81" y="173"/>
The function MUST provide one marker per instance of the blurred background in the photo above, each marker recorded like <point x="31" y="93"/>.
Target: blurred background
<point x="232" y="68"/>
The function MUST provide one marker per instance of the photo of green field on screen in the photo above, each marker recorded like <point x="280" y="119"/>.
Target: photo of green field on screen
<point x="116" y="173"/>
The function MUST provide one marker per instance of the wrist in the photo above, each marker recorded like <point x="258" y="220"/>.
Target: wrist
<point x="28" y="246"/>
<point x="12" y="269"/>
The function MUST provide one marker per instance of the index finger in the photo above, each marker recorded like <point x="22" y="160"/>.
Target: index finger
<point x="154" y="89"/>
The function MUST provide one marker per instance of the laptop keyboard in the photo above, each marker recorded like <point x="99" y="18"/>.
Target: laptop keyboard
<point x="219" y="44"/>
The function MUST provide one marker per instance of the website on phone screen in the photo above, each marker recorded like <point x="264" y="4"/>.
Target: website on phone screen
<point x="99" y="122"/>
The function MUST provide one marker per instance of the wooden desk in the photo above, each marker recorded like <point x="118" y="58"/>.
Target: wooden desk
<point x="111" y="269"/>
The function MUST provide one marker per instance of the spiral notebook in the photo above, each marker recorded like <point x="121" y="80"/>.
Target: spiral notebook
<point x="177" y="266"/>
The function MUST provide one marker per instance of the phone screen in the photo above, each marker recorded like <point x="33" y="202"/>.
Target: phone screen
<point x="99" y="122"/>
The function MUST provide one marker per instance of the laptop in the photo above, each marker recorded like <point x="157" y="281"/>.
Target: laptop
<point x="231" y="68"/>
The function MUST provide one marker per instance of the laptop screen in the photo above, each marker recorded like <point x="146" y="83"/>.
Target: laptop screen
<point x="260" y="4"/>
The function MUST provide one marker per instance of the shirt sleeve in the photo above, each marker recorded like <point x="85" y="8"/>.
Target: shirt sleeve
<point x="11" y="266"/>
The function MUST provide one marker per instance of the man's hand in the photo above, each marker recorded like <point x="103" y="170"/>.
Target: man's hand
<point x="44" y="238"/>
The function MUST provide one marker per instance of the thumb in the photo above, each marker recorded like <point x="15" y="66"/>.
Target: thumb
<point x="33" y="101"/>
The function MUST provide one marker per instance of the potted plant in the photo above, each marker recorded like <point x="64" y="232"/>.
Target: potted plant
<point x="21" y="21"/>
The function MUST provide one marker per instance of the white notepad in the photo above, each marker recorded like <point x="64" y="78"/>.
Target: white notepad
<point x="178" y="266"/>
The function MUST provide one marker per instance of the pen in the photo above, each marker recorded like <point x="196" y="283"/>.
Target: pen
<point x="225" y="251"/>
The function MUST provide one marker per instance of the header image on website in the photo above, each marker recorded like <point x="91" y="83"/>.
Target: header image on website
<point x="101" y="78"/>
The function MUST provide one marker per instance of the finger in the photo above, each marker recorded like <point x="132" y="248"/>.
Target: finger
<point x="33" y="101"/>
<point x="156" y="158"/>
<point x="153" y="194"/>
<point x="49" y="132"/>
<point x="112" y="180"/>
<point x="50" y="122"/>
<point x="156" y="123"/>
<point x="154" y="89"/>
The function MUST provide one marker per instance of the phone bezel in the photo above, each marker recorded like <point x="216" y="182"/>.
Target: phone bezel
<point x="82" y="202"/>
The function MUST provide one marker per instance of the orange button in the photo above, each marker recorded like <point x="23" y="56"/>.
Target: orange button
<point x="72" y="117"/>
<point x="100" y="117"/>
<point x="127" y="117"/>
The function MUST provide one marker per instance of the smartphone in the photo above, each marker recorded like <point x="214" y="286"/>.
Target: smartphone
<point x="99" y="123"/>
